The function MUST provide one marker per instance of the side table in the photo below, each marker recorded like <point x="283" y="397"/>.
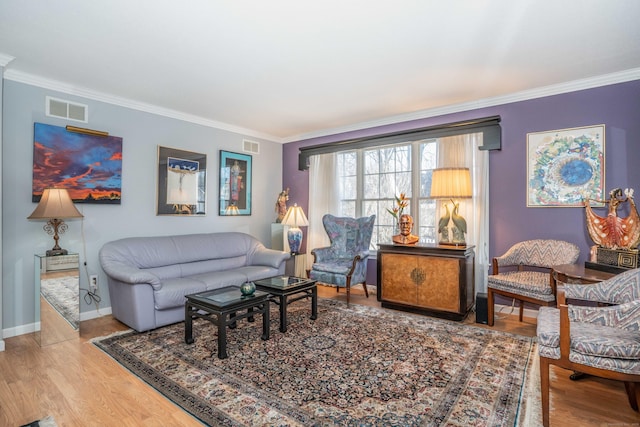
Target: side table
<point x="577" y="273"/>
<point x="220" y="307"/>
<point x="282" y="289"/>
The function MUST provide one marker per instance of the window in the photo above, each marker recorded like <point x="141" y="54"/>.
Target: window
<point x="370" y="179"/>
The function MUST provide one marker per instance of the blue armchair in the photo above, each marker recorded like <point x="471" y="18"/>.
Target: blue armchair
<point x="344" y="263"/>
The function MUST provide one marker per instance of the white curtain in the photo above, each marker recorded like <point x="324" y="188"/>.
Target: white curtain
<point x="323" y="199"/>
<point x="462" y="151"/>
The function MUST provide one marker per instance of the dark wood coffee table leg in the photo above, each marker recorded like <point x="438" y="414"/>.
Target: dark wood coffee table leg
<point x="283" y="313"/>
<point x="232" y="321"/>
<point x="265" y="320"/>
<point x="222" y="335"/>
<point x="314" y="303"/>
<point x="188" y="324"/>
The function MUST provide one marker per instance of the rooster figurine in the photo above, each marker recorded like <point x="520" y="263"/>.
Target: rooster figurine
<point x="613" y="232"/>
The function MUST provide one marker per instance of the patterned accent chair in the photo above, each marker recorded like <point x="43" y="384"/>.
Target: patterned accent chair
<point x="528" y="272"/>
<point x="600" y="341"/>
<point x="344" y="263"/>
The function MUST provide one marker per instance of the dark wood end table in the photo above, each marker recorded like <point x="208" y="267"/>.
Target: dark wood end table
<point x="578" y="273"/>
<point x="221" y="307"/>
<point x="282" y="288"/>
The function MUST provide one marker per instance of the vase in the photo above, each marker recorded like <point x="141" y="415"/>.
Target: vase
<point x="247" y="289"/>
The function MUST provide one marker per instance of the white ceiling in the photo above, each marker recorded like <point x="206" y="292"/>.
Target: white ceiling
<point x="290" y="69"/>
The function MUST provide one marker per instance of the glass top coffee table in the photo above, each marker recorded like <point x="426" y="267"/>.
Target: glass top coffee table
<point x="282" y="288"/>
<point x="221" y="307"/>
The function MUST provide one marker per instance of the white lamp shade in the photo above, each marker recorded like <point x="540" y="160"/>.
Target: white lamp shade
<point x="295" y="217"/>
<point x="55" y="203"/>
<point x="451" y="183"/>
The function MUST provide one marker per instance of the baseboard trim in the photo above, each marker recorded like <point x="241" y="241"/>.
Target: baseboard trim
<point x="33" y="327"/>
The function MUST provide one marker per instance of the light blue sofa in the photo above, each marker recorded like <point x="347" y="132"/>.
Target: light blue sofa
<point x="149" y="276"/>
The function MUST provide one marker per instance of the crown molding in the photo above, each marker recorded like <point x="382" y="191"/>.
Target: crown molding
<point x="5" y="59"/>
<point x="44" y="83"/>
<point x="587" y="83"/>
<point x="557" y="89"/>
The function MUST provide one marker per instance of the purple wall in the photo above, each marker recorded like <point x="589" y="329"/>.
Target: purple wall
<point x="616" y="106"/>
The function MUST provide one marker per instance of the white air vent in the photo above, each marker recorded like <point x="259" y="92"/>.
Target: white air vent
<point x="251" y="146"/>
<point x="67" y="110"/>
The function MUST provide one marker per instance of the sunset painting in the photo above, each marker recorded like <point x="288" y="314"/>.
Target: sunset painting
<point x="88" y="166"/>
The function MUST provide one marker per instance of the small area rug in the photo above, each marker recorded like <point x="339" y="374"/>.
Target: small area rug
<point x="353" y="366"/>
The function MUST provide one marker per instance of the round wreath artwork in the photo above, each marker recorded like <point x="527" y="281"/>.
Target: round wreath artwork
<point x="565" y="172"/>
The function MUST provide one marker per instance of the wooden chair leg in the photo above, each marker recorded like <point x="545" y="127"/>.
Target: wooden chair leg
<point x="544" y="390"/>
<point x="366" y="291"/>
<point x="633" y="393"/>
<point x="521" y="310"/>
<point x="489" y="307"/>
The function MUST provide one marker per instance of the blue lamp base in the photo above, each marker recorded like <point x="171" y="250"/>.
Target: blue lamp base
<point x="294" y="236"/>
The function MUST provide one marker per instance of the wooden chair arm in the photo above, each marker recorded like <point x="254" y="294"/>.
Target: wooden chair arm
<point x="561" y="297"/>
<point x="565" y="332"/>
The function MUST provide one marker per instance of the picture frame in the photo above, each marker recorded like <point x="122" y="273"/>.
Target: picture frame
<point x="87" y="165"/>
<point x="565" y="167"/>
<point x="182" y="182"/>
<point x="234" y="194"/>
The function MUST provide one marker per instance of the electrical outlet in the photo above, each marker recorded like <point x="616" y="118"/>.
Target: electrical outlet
<point x="93" y="283"/>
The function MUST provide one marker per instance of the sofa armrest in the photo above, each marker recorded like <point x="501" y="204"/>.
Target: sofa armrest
<point x="269" y="257"/>
<point x="131" y="275"/>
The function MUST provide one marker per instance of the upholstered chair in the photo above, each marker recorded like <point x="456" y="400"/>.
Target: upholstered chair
<point x="597" y="340"/>
<point x="344" y="263"/>
<point x="524" y="273"/>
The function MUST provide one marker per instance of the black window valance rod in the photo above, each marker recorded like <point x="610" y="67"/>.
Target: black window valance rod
<point x="489" y="126"/>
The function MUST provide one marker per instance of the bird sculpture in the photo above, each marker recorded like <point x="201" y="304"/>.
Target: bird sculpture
<point x="443" y="224"/>
<point x="459" y="223"/>
<point x="611" y="231"/>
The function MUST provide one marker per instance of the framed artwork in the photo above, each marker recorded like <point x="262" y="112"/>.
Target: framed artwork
<point x="181" y="182"/>
<point x="89" y="166"/>
<point x="235" y="184"/>
<point x="565" y="167"/>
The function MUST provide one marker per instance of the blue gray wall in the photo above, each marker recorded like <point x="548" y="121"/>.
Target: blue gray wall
<point x="142" y="133"/>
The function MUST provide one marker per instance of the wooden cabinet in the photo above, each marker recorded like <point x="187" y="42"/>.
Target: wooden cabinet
<point x="428" y="279"/>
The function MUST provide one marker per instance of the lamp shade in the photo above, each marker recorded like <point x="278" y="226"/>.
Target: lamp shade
<point x="451" y="183"/>
<point x="295" y="217"/>
<point x="55" y="203"/>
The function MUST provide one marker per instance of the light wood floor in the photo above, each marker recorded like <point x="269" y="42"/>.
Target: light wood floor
<point x="80" y="386"/>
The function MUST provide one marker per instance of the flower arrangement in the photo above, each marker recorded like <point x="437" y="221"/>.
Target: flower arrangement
<point x="402" y="202"/>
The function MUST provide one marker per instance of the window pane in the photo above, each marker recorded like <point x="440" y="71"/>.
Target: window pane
<point x="348" y="208"/>
<point x="386" y="172"/>
<point x="349" y="189"/>
<point x="371" y="188"/>
<point x="371" y="162"/>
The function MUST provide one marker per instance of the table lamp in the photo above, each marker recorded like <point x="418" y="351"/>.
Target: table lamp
<point x="451" y="183"/>
<point x="54" y="206"/>
<point x="295" y="218"/>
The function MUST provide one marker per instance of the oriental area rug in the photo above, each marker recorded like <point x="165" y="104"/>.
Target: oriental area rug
<point x="353" y="366"/>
